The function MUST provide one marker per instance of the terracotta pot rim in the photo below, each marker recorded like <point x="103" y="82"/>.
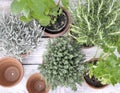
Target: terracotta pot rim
<point x="65" y="30"/>
<point x="85" y="47"/>
<point x="92" y="59"/>
<point x="18" y="64"/>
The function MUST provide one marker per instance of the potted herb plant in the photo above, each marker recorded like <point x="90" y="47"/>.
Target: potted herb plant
<point x="118" y="46"/>
<point x="96" y="22"/>
<point x="63" y="63"/>
<point x="54" y="18"/>
<point x="18" y="38"/>
<point x="11" y="71"/>
<point x="107" y="69"/>
<point x="92" y="81"/>
<point x="36" y="84"/>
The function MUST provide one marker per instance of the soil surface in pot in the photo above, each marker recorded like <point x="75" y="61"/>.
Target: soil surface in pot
<point x="59" y="25"/>
<point x="87" y="46"/>
<point x="93" y="82"/>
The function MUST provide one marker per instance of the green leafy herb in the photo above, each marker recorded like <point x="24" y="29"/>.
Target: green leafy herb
<point x="107" y="70"/>
<point x="42" y="10"/>
<point x="97" y="22"/>
<point x="63" y="63"/>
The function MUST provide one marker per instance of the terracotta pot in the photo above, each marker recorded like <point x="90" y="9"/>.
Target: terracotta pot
<point x="93" y="82"/>
<point x="63" y="31"/>
<point x="36" y="84"/>
<point x="11" y="71"/>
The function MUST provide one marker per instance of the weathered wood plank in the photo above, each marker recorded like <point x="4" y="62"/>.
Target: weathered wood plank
<point x="36" y="56"/>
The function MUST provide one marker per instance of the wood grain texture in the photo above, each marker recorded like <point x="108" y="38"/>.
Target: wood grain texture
<point x="36" y="56"/>
<point x="31" y="62"/>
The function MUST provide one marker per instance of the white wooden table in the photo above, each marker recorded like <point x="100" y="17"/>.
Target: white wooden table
<point x="31" y="62"/>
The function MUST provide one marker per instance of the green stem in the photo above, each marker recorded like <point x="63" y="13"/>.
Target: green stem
<point x="58" y="3"/>
<point x="72" y="36"/>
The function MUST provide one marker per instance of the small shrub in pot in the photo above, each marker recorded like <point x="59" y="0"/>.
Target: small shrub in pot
<point x="19" y="38"/>
<point x="92" y="81"/>
<point x="107" y="69"/>
<point x="96" y="22"/>
<point x="63" y="63"/>
<point x="52" y="16"/>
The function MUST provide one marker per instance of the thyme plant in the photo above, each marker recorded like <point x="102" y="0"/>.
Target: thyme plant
<point x="63" y="63"/>
<point x="17" y="37"/>
<point x="97" y="22"/>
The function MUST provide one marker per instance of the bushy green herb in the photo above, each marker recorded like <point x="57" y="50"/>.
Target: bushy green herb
<point x="63" y="63"/>
<point x="107" y="70"/>
<point x="97" y="22"/>
<point x="118" y="46"/>
<point x="45" y="11"/>
<point x="17" y="37"/>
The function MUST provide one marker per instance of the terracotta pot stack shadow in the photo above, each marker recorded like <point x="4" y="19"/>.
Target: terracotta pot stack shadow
<point x="11" y="71"/>
<point x="36" y="84"/>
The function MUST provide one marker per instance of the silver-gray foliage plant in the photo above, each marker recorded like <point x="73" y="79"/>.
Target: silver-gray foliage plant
<point x="18" y="38"/>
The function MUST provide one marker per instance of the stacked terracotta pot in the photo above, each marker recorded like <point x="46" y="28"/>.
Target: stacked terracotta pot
<point x="36" y="84"/>
<point x="11" y="71"/>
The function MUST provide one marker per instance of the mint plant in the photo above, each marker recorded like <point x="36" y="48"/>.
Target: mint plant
<point x="63" y="63"/>
<point x="96" y="22"/>
<point x="18" y="38"/>
<point x="44" y="11"/>
<point x="107" y="69"/>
